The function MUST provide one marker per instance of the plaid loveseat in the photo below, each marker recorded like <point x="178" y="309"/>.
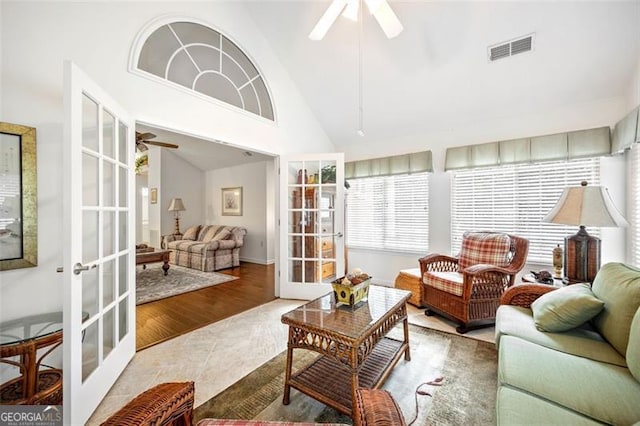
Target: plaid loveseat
<point x="207" y="247"/>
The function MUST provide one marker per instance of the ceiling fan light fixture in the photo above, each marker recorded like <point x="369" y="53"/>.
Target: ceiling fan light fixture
<point x="380" y="9"/>
<point x="329" y="17"/>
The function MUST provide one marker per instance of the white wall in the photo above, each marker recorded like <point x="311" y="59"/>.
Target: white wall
<point x="606" y="112"/>
<point x="141" y="182"/>
<point x="254" y="179"/>
<point x="98" y="36"/>
<point x="181" y="179"/>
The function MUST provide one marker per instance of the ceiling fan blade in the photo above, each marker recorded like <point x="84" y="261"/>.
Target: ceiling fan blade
<point x="351" y="10"/>
<point x="143" y="136"/>
<point x="329" y="17"/>
<point x="385" y="16"/>
<point x="161" y="144"/>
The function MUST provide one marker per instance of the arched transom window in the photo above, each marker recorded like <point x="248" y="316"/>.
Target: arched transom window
<point x="205" y="61"/>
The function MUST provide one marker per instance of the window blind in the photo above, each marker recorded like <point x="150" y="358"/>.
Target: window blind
<point x="514" y="199"/>
<point x="389" y="213"/>
<point x="633" y="214"/>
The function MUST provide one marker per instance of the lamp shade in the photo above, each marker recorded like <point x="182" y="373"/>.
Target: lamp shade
<point x="586" y="206"/>
<point x="176" y="205"/>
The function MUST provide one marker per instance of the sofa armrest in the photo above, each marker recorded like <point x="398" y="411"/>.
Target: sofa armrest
<point x="524" y="295"/>
<point x="166" y="239"/>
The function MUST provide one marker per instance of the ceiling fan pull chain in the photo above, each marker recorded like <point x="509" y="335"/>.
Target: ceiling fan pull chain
<point x="360" y="71"/>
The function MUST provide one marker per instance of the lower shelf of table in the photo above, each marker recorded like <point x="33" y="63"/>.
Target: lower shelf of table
<point x="49" y="390"/>
<point x="330" y="382"/>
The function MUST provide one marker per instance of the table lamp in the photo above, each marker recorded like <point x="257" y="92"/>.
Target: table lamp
<point x="176" y="206"/>
<point x="584" y="206"/>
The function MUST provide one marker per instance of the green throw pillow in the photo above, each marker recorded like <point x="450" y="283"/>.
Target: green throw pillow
<point x="565" y="308"/>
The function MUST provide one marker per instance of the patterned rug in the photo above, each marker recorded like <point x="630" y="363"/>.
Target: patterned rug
<point x="152" y="284"/>
<point x="466" y="397"/>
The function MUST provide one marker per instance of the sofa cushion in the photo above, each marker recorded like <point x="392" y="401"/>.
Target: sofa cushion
<point x="583" y="341"/>
<point x="604" y="392"/>
<point x="618" y="286"/>
<point x="514" y="407"/>
<point x="451" y="282"/>
<point x="484" y="247"/>
<point x="565" y="308"/>
<point x="207" y="232"/>
<point x="224" y="234"/>
<point x="191" y="233"/>
<point x="633" y="349"/>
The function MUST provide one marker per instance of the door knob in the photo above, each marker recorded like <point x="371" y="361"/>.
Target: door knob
<point x="79" y="267"/>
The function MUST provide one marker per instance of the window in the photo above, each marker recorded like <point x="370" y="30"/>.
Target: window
<point x="515" y="198"/>
<point x="633" y="216"/>
<point x="205" y="61"/>
<point x="389" y="213"/>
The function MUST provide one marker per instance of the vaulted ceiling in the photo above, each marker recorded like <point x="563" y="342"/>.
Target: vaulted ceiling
<point x="436" y="76"/>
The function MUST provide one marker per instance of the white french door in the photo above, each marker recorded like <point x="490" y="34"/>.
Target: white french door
<point x="311" y="224"/>
<point x="99" y="262"/>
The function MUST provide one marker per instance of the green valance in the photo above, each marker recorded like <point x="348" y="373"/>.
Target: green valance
<point x="387" y="166"/>
<point x="626" y="132"/>
<point x="560" y="146"/>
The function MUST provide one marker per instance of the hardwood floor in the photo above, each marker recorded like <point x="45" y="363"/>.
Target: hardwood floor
<point x="167" y="318"/>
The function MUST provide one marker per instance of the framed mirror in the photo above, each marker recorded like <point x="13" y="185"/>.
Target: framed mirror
<point x="18" y="197"/>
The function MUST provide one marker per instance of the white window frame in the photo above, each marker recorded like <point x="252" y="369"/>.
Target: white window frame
<point x="389" y="218"/>
<point x="514" y="199"/>
<point x="633" y="203"/>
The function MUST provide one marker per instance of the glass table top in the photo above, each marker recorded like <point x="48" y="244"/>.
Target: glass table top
<point x="349" y="321"/>
<point x="31" y="327"/>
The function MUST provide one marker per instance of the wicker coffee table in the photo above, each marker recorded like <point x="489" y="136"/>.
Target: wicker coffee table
<point x="355" y="351"/>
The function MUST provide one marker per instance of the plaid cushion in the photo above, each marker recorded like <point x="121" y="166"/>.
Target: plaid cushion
<point x="451" y="282"/>
<point x="484" y="247"/>
<point x="191" y="233"/>
<point x="222" y="235"/>
<point x="207" y="232"/>
<point x="232" y="422"/>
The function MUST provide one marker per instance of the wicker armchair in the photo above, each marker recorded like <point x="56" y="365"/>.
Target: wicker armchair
<point x="468" y="288"/>
<point x="162" y="405"/>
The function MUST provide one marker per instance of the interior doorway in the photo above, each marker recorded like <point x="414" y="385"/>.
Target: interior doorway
<point x="197" y="171"/>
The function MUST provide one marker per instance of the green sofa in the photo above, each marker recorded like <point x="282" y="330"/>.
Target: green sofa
<point x="583" y="376"/>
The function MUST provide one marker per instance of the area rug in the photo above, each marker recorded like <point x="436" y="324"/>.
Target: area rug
<point x="467" y="394"/>
<point x="152" y="284"/>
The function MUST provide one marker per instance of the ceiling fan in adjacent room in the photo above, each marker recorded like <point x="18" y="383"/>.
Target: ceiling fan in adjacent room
<point x="142" y="140"/>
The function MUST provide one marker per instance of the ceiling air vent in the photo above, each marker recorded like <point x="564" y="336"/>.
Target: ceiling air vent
<point x="510" y="48"/>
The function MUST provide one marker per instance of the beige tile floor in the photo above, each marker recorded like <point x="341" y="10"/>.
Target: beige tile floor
<point x="218" y="355"/>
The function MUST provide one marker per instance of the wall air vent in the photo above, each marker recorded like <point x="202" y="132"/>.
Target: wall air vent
<point x="510" y="48"/>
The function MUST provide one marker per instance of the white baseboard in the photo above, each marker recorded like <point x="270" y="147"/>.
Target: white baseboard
<point x="258" y="261"/>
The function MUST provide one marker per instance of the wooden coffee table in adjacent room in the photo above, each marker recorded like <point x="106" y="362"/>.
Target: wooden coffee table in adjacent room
<point x="355" y="351"/>
<point x="143" y="258"/>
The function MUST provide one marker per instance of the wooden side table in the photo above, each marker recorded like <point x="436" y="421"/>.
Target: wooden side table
<point x="20" y="340"/>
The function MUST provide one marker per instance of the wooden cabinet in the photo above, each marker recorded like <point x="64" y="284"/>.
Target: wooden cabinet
<point x="313" y="228"/>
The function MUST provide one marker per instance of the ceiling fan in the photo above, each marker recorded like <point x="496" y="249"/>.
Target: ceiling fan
<point x="142" y="142"/>
<point x="380" y="9"/>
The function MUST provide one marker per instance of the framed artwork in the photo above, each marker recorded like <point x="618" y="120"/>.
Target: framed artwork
<point x="153" y="195"/>
<point x="18" y="197"/>
<point x="232" y="201"/>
